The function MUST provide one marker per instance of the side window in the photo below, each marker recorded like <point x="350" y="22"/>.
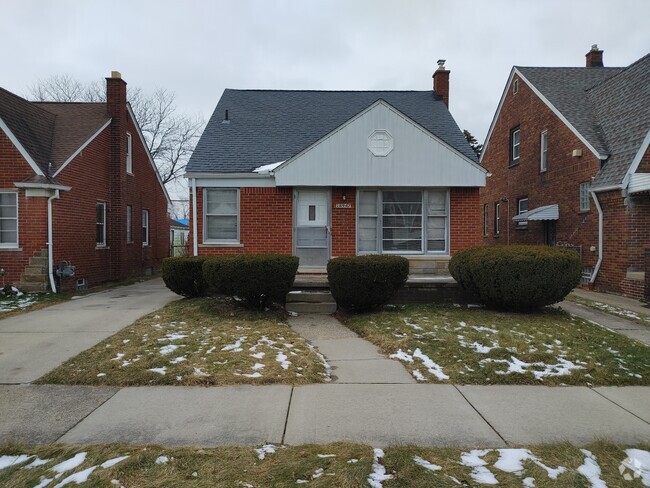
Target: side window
<point x="515" y="137"/>
<point x="129" y="153"/>
<point x="543" y="152"/>
<point x="497" y="218"/>
<point x="584" y="197"/>
<point x="522" y="207"/>
<point x="145" y="227"/>
<point x="100" y="225"/>
<point x="486" y="219"/>
<point x="129" y="223"/>
<point x="8" y="219"/>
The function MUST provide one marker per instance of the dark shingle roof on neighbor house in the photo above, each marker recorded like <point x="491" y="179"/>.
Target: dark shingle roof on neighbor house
<point x="609" y="107"/>
<point x="269" y="126"/>
<point x="51" y="132"/>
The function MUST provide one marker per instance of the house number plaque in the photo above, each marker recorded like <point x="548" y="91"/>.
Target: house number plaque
<point x="343" y="205"/>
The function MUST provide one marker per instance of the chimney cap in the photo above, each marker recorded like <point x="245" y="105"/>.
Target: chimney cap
<point x="116" y="74"/>
<point x="441" y="63"/>
<point x="594" y="47"/>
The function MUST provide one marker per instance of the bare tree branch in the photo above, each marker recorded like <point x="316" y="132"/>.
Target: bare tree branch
<point x="170" y="135"/>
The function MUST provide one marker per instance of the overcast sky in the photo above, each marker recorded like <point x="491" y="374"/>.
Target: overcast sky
<point x="196" y="48"/>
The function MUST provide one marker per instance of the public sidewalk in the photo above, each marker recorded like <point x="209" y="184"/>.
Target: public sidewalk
<point x="614" y="300"/>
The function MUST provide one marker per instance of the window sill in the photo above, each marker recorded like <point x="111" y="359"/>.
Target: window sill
<point x="584" y="211"/>
<point x="100" y="248"/>
<point x="13" y="249"/>
<point x="221" y="244"/>
<point x="129" y="173"/>
<point x="496" y="236"/>
<point x="145" y="245"/>
<point x="512" y="164"/>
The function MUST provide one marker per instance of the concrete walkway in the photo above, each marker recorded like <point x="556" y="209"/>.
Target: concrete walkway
<point x="376" y="414"/>
<point x="614" y="300"/>
<point x="36" y="342"/>
<point x="353" y="360"/>
<point x="616" y="324"/>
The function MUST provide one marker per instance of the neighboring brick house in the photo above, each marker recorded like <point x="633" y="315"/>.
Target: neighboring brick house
<point x="87" y="166"/>
<point x="320" y="174"/>
<point x="570" y="166"/>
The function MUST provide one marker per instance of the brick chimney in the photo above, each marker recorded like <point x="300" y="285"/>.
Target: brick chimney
<point x="116" y="205"/>
<point x="441" y="82"/>
<point x="594" y="57"/>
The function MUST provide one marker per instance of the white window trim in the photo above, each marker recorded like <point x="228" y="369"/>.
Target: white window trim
<point x="129" y="153"/>
<point x="523" y="224"/>
<point x="102" y="244"/>
<point x="16" y="245"/>
<point x="543" y="151"/>
<point x="380" y="224"/>
<point x="515" y="86"/>
<point x="145" y="242"/>
<point x="514" y="159"/>
<point x="129" y="224"/>
<point x="497" y="219"/>
<point x="226" y="242"/>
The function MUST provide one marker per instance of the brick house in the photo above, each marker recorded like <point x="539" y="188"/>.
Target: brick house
<point x="570" y="166"/>
<point x="320" y="174"/>
<point x="78" y="186"/>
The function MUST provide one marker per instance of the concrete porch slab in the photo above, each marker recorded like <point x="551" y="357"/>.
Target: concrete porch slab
<point x="526" y="415"/>
<point x="381" y="415"/>
<point x="42" y="414"/>
<point x="187" y="416"/>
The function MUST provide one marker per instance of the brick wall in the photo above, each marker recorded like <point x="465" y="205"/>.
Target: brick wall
<point x="465" y="218"/>
<point x="344" y="236"/>
<point x="32" y="212"/>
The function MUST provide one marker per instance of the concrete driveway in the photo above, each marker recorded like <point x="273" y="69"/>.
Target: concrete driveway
<point x="37" y="342"/>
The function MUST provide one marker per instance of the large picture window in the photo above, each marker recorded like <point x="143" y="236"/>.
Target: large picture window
<point x="8" y="219"/>
<point x="403" y="221"/>
<point x="221" y="215"/>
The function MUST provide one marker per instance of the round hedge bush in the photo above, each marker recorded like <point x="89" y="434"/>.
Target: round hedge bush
<point x="363" y="283"/>
<point x="184" y="275"/>
<point x="517" y="277"/>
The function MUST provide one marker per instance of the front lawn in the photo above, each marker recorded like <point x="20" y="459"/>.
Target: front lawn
<point x="201" y="341"/>
<point x="334" y="465"/>
<point x="477" y="346"/>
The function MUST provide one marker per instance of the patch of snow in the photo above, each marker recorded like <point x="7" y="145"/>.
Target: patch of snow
<point x="318" y="473"/>
<point x="252" y="375"/>
<point x="126" y="341"/>
<point x="258" y="355"/>
<point x="291" y="313"/>
<point x="301" y="482"/>
<point x="177" y="360"/>
<point x="282" y="359"/>
<point x="267" y="168"/>
<point x="418" y="375"/>
<point x="99" y="375"/>
<point x="77" y="478"/>
<point x="480" y="348"/>
<point x="37" y="462"/>
<point x="426" y="464"/>
<point x="562" y="368"/>
<point x="482" y="328"/>
<point x="479" y="473"/>
<point x="44" y="482"/>
<point x="353" y="461"/>
<point x="173" y="337"/>
<point x="118" y="357"/>
<point x="162" y="460"/>
<point x="68" y="464"/>
<point x="211" y="350"/>
<point x="638" y="461"/>
<point x="413" y="326"/>
<point x="591" y="470"/>
<point x="258" y="366"/>
<point x="402" y="356"/>
<point x="511" y="461"/>
<point x="235" y="346"/>
<point x="8" y="461"/>
<point x="264" y="450"/>
<point x="378" y="475"/>
<point x="170" y="348"/>
<point x="326" y="455"/>
<point x="200" y="372"/>
<point x="112" y="462"/>
<point x="529" y="482"/>
<point x="162" y="370"/>
<point x="433" y="368"/>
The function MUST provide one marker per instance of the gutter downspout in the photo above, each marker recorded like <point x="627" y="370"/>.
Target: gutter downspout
<point x="600" y="238"/>
<point x="195" y="243"/>
<point x="50" y="257"/>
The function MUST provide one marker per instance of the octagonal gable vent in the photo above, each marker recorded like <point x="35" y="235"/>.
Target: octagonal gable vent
<point x="380" y="143"/>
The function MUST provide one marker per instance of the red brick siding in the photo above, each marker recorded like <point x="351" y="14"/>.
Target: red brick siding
<point x="344" y="235"/>
<point x="465" y="218"/>
<point x="32" y="212"/>
<point x="644" y="166"/>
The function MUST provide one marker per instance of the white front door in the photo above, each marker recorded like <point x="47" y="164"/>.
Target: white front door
<point x="311" y="227"/>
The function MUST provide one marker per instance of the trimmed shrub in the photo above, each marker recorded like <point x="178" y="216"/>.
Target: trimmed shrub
<point x="257" y="279"/>
<point x="184" y="275"/>
<point x="517" y="277"/>
<point x="363" y="283"/>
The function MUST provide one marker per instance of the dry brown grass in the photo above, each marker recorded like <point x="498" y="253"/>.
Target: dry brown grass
<point x="476" y="346"/>
<point x="203" y="341"/>
<point x="241" y="466"/>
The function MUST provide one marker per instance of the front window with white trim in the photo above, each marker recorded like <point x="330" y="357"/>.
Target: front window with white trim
<point x="8" y="219"/>
<point x="403" y="221"/>
<point x="221" y="209"/>
<point x="100" y="224"/>
<point x="145" y="227"/>
<point x="129" y="153"/>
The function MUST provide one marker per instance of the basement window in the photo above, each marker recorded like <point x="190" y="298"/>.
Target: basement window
<point x="8" y="219"/>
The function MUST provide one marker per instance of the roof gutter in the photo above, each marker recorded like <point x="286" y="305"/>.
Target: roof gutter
<point x="192" y="175"/>
<point x="43" y="186"/>
<point x="600" y="237"/>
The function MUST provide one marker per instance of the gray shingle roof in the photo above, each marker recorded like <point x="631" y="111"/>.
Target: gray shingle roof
<point x="268" y="126"/>
<point x="610" y="107"/>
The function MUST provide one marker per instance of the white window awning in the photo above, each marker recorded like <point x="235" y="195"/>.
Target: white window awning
<point x="547" y="212"/>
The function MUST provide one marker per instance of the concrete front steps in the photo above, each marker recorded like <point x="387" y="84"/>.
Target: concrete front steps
<point x="34" y="278"/>
<point x="311" y="300"/>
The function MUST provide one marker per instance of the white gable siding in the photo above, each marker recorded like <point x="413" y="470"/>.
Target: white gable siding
<point x="343" y="159"/>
